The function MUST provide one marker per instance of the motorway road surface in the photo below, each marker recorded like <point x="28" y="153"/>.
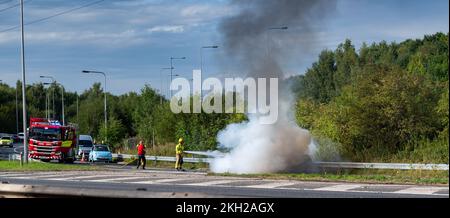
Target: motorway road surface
<point x="117" y="177"/>
<point x="153" y="180"/>
<point x="16" y="149"/>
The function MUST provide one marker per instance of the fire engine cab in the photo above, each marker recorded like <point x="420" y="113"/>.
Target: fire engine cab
<point x="49" y="140"/>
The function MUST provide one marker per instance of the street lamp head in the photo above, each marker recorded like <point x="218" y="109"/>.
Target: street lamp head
<point x="49" y="77"/>
<point x="85" y="71"/>
<point x="279" y="28"/>
<point x="172" y="58"/>
<point x="211" y="46"/>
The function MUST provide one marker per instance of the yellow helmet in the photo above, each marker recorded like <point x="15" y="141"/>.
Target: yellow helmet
<point x="180" y="140"/>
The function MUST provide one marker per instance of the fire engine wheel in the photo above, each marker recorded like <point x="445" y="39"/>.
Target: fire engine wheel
<point x="45" y="160"/>
<point x="63" y="158"/>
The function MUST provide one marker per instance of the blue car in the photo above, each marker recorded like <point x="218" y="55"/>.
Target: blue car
<point x="100" y="153"/>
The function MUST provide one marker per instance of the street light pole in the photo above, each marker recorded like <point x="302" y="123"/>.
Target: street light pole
<point x="78" y="122"/>
<point x="62" y="100"/>
<point x="62" y="103"/>
<point x="161" y="78"/>
<point x="201" y="55"/>
<point x="106" y="119"/>
<point x="46" y="102"/>
<point x="24" y="102"/>
<point x="171" y="70"/>
<point x="201" y="61"/>
<point x="17" y="112"/>
<point x="53" y="94"/>
<point x="46" y="105"/>
<point x="267" y="36"/>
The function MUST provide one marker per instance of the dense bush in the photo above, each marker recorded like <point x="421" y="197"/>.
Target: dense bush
<point x="390" y="101"/>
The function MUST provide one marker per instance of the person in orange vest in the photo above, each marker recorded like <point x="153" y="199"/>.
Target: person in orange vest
<point x="179" y="149"/>
<point x="141" y="155"/>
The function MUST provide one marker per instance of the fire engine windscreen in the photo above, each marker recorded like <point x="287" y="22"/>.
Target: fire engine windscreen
<point x="45" y="134"/>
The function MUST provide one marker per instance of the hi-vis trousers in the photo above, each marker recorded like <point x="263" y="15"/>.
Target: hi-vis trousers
<point x="179" y="162"/>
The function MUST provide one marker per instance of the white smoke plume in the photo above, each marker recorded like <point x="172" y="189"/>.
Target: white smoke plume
<point x="260" y="148"/>
<point x="283" y="146"/>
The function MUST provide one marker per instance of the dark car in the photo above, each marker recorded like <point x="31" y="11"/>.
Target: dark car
<point x="15" y="138"/>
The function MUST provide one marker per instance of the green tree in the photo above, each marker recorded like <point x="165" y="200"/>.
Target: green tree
<point x="115" y="132"/>
<point x="346" y="60"/>
<point x="318" y="82"/>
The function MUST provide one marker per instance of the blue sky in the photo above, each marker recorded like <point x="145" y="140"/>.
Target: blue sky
<point x="132" y="40"/>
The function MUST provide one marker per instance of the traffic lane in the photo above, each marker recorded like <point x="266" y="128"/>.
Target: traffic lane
<point x="5" y="151"/>
<point x="214" y="190"/>
<point x="18" y="147"/>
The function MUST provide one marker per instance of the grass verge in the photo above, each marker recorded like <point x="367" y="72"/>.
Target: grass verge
<point x="165" y="164"/>
<point x="41" y="166"/>
<point x="361" y="176"/>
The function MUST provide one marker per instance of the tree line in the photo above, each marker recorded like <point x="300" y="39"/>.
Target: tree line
<point x="385" y="102"/>
<point x="145" y="115"/>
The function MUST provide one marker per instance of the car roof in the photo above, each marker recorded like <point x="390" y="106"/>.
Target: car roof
<point x="85" y="137"/>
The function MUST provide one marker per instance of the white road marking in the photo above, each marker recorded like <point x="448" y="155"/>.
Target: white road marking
<point x="215" y="182"/>
<point x="172" y="172"/>
<point x="339" y="188"/>
<point x="421" y="190"/>
<point x="271" y="185"/>
<point x="114" y="179"/>
<point x="159" y="181"/>
<point x="40" y="176"/>
<point x="15" y="174"/>
<point x="75" y="178"/>
<point x="169" y="180"/>
<point x="24" y="174"/>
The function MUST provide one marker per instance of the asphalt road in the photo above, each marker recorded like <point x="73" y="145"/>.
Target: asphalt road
<point x="152" y="181"/>
<point x="5" y="151"/>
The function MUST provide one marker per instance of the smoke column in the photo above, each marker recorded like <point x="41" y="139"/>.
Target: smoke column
<point x="251" y="39"/>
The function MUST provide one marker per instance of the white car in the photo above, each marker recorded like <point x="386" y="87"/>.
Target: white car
<point x="21" y="136"/>
<point x="85" y="143"/>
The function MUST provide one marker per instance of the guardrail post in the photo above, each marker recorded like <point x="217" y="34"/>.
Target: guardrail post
<point x="21" y="159"/>
<point x="154" y="162"/>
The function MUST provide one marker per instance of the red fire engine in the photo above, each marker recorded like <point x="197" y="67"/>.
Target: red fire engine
<point x="49" y="140"/>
